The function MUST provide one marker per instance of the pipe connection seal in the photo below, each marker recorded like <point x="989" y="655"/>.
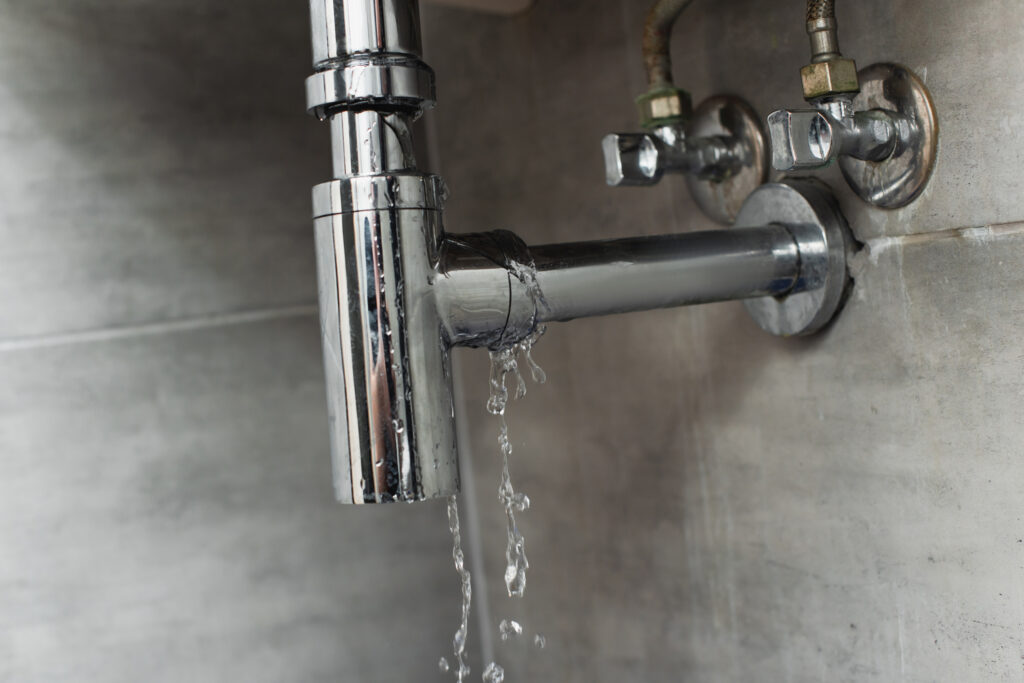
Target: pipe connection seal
<point x="395" y="82"/>
<point x="376" y="193"/>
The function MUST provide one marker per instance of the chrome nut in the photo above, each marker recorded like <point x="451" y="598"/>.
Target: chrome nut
<point x="631" y="159"/>
<point x="802" y="138"/>
<point x="664" y="106"/>
<point x="829" y="78"/>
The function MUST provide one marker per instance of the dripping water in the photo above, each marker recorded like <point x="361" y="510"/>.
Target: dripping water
<point x="494" y="673"/>
<point x="504" y="362"/>
<point x="509" y="628"/>
<point x="459" y="640"/>
<point x="505" y="368"/>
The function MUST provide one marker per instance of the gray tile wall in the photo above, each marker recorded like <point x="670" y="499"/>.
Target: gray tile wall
<point x="166" y="511"/>
<point x="711" y="503"/>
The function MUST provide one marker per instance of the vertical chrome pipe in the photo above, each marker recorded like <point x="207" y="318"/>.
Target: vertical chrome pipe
<point x="342" y="29"/>
<point x="378" y="236"/>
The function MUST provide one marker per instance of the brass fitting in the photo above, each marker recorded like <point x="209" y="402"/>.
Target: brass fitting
<point x="664" y="107"/>
<point x="831" y="77"/>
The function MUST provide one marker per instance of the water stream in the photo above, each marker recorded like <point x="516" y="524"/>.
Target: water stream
<point x="505" y="366"/>
<point x="459" y="640"/>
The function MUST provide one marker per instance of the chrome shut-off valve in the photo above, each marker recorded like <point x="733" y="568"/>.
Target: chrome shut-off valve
<point x="812" y="138"/>
<point x="721" y="150"/>
<point x="879" y="123"/>
<point x="642" y="158"/>
<point x="720" y="147"/>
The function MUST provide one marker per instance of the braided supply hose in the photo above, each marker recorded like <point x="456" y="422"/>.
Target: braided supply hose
<point x="822" y="30"/>
<point x="657" y="35"/>
<point x="821" y="9"/>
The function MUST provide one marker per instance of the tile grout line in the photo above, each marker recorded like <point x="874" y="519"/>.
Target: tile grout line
<point x="975" y="234"/>
<point x="981" y="233"/>
<point x="156" y="328"/>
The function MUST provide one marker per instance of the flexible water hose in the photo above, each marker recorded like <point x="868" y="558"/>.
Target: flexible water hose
<point x="821" y="9"/>
<point x="657" y="35"/>
<point x="821" y="28"/>
<point x="663" y="14"/>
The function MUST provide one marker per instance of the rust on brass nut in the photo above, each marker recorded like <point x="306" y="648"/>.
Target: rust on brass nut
<point x="829" y="78"/>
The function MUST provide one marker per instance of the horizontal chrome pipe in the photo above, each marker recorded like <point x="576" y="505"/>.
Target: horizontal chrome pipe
<point x="584" y="279"/>
<point x="493" y="290"/>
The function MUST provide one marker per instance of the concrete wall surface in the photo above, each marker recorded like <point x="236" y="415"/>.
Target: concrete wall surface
<point x="711" y="503"/>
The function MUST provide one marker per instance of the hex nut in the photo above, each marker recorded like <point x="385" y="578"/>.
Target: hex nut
<point x="631" y="159"/>
<point x="664" y="106"/>
<point x="829" y="78"/>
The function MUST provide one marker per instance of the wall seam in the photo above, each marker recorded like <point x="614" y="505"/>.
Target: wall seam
<point x="162" y="327"/>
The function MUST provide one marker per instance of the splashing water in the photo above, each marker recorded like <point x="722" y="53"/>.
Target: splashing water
<point x="459" y="640"/>
<point x="540" y="641"/>
<point x="494" y="673"/>
<point x="509" y="628"/>
<point x="443" y="666"/>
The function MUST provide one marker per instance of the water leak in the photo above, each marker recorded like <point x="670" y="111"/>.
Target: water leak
<point x="505" y="368"/>
<point x="505" y="362"/>
<point x="493" y="674"/>
<point x="509" y="628"/>
<point x="459" y="639"/>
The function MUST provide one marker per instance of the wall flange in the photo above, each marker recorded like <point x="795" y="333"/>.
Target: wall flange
<point x="823" y="238"/>
<point x="899" y="179"/>
<point x="729" y="117"/>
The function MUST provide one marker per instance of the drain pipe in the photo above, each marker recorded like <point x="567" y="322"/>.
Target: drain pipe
<point x="397" y="293"/>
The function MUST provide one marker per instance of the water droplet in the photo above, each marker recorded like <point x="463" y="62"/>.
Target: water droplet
<point x="493" y="674"/>
<point x="443" y="666"/>
<point x="521" y="502"/>
<point x="540" y="641"/>
<point x="509" y="628"/>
